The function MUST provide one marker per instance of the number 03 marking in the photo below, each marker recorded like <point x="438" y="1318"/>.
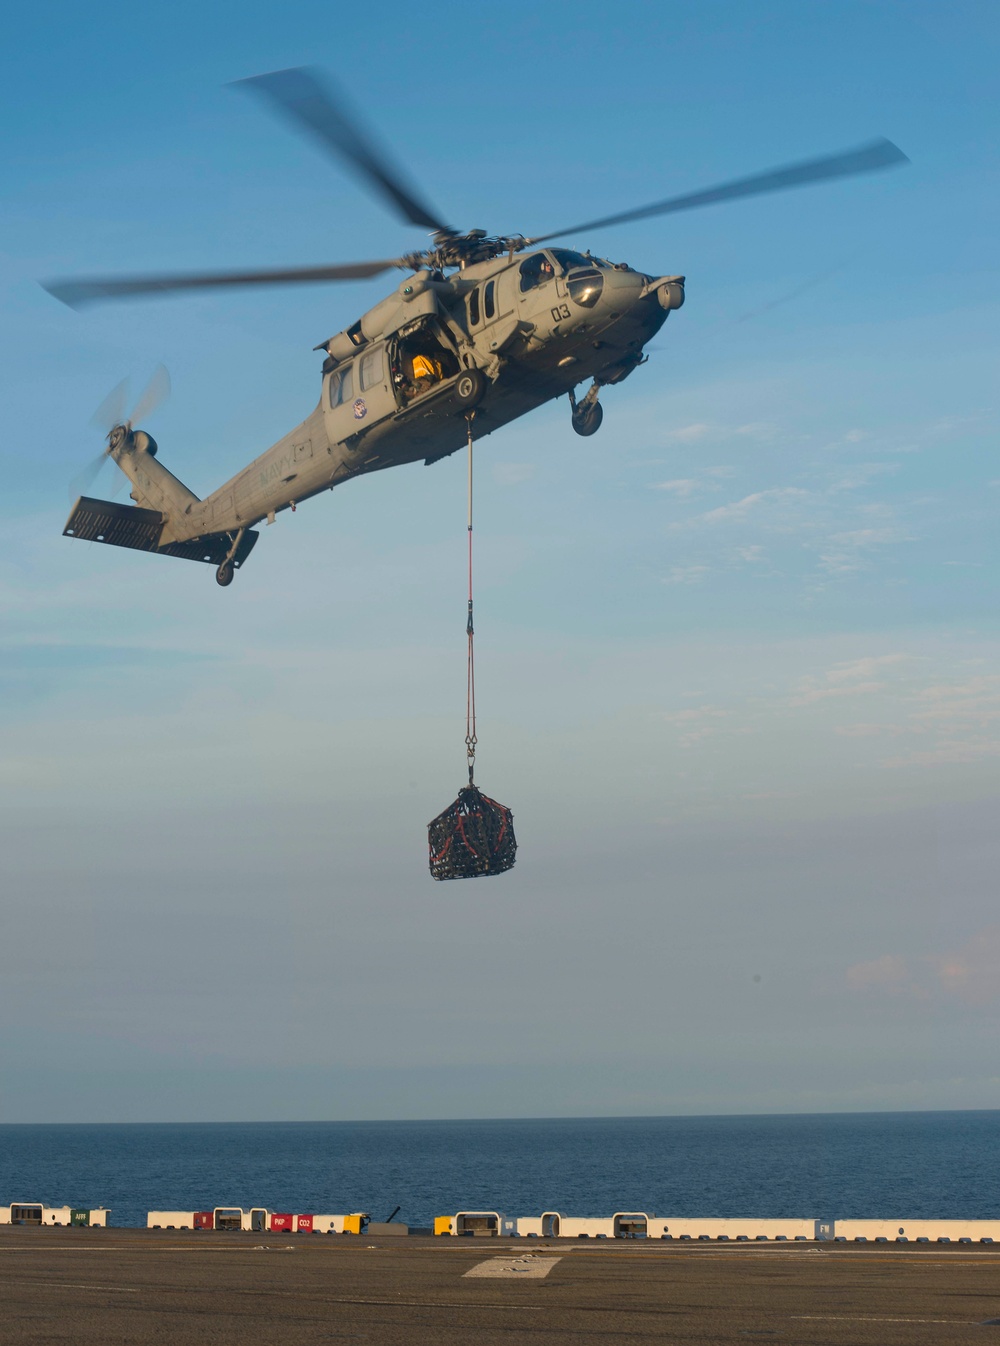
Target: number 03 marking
<point x="560" y="312"/>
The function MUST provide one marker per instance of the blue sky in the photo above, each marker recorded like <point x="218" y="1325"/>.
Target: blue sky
<point x="738" y="652"/>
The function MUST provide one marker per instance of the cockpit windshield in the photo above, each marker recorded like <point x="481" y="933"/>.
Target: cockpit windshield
<point x="568" y="260"/>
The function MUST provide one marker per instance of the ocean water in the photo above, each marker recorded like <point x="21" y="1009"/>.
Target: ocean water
<point x="889" y="1165"/>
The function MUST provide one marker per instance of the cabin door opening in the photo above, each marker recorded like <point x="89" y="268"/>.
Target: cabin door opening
<point x="420" y="359"/>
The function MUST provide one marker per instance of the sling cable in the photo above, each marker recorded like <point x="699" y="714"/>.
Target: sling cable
<point x="474" y="836"/>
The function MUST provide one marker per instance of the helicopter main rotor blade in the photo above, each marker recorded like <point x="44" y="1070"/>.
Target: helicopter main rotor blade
<point x="299" y="95"/>
<point x="77" y="293"/>
<point x="868" y="158"/>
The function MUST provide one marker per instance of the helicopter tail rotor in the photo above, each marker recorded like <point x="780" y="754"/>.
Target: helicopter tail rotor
<point x="112" y="410"/>
<point x="83" y="482"/>
<point x="110" y="417"/>
<point x="156" y="391"/>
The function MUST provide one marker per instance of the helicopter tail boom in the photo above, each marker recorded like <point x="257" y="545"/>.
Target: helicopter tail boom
<point x="153" y="486"/>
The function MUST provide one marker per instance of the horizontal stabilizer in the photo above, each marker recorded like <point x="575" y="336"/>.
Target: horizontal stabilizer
<point x="140" y="529"/>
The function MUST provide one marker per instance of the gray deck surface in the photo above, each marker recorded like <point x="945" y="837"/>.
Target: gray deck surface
<point x="136" y="1286"/>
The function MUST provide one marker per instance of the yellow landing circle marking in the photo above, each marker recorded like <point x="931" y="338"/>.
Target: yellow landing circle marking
<point x="514" y="1268"/>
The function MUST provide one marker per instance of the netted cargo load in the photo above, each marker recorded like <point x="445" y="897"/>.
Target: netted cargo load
<point x="472" y="837"/>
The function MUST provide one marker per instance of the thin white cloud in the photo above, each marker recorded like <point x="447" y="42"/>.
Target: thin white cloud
<point x="739" y="509"/>
<point x="972" y="972"/>
<point x="680" y="486"/>
<point x="688" y="434"/>
<point x="868" y="730"/>
<point x="952" y="752"/>
<point x="870" y="537"/>
<point x="694" y="715"/>
<point x="847" y="552"/>
<point x="986" y="684"/>
<point x="863" y="474"/>
<point x="696" y="723"/>
<point x="864" y="668"/>
<point x="756" y="430"/>
<point x="855" y="677"/>
<point x="889" y="973"/>
<point x="839" y="563"/>
<point x="512" y="474"/>
<point x="814" y="694"/>
<point x="692" y="574"/>
<point x="960" y="707"/>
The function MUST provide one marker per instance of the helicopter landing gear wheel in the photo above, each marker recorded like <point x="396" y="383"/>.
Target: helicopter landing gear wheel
<point x="470" y="387"/>
<point x="588" y="413"/>
<point x="227" y="567"/>
<point x="587" y="421"/>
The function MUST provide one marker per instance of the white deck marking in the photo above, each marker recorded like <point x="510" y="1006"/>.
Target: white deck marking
<point x="514" y="1268"/>
<point x="68" y="1285"/>
<point x="829" y="1318"/>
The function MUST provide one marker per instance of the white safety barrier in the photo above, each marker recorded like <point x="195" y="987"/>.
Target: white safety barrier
<point x="552" y="1224"/>
<point x="639" y="1224"/>
<point x="37" y="1213"/>
<point x="324" y="1224"/>
<point x="170" y="1219"/>
<point x="736" y="1230"/>
<point x="914" y="1231"/>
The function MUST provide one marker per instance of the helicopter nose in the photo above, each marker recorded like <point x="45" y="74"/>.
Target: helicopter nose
<point x="622" y="283"/>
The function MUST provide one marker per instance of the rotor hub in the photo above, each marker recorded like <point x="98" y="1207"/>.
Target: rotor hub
<point x="461" y="250"/>
<point x="118" y="438"/>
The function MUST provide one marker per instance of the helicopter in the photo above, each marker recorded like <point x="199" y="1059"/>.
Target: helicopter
<point x="483" y="329"/>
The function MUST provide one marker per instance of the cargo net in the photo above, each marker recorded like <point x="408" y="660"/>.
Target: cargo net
<point x="472" y="837"/>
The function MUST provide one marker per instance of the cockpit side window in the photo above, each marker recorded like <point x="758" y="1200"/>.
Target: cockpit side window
<point x="341" y="386"/>
<point x="474" y="307"/>
<point x="535" y="270"/>
<point x="371" y="369"/>
<point x="489" y="298"/>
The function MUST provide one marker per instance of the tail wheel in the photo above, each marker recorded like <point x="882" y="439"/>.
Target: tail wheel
<point x="470" y="387"/>
<point x="224" y="574"/>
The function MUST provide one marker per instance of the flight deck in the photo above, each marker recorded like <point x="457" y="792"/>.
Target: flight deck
<point x="99" y="1285"/>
